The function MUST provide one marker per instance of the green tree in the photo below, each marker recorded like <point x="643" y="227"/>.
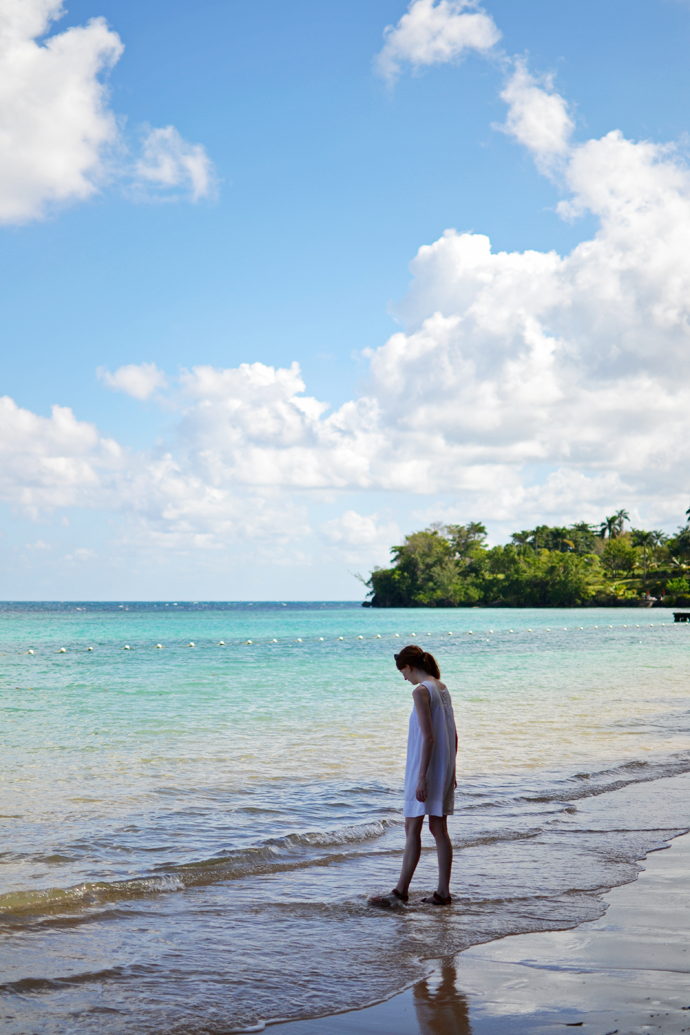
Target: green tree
<point x="614" y="526"/>
<point x="518" y="576"/>
<point x="621" y="517"/>
<point x="647" y="541"/>
<point x="424" y="574"/>
<point x="466" y="540"/>
<point x="619" y="554"/>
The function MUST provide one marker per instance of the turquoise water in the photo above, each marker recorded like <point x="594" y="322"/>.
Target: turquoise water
<point x="191" y="832"/>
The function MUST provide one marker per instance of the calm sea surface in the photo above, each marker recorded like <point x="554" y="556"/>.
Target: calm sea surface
<point x="191" y="831"/>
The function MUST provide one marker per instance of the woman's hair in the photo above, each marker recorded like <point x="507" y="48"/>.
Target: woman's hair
<point x="415" y="657"/>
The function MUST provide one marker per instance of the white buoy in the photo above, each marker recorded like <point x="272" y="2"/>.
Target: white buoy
<point x="428" y="634"/>
<point x="159" y="646"/>
<point x="450" y="634"/>
<point x="61" y="651"/>
<point x="249" y="641"/>
<point x="29" y="652"/>
<point x="221" y="643"/>
<point x="360" y="637"/>
<point x="191" y="645"/>
<point x="396" y="634"/>
<point x="378" y="636"/>
<point x="126" y="647"/>
<point x="340" y="637"/>
<point x="88" y="648"/>
<point x="299" y="640"/>
<point x="320" y="640"/>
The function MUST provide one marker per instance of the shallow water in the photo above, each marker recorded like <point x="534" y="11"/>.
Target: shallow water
<point x="191" y="832"/>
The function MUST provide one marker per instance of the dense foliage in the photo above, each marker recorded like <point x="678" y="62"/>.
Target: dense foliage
<point x="451" y="566"/>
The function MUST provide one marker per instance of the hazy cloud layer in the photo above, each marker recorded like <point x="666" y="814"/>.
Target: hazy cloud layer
<point x="60" y="139"/>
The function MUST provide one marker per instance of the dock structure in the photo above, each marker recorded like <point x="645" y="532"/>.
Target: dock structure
<point x="681" y="616"/>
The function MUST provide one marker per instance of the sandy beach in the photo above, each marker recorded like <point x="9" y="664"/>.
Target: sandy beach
<point x="628" y="972"/>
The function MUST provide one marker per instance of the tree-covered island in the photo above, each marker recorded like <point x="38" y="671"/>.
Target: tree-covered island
<point x="579" y="566"/>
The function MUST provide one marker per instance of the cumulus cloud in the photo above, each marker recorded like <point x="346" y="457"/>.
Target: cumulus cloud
<point x="56" y="461"/>
<point x="361" y="537"/>
<point x="140" y="380"/>
<point x="169" y="162"/>
<point x="538" y="117"/>
<point x="60" y="139"/>
<point x="434" y="32"/>
<point x="522" y="386"/>
<point x="55" y="122"/>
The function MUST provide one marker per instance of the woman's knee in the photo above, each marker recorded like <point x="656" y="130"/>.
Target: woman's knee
<point x="413" y="826"/>
<point x="438" y="825"/>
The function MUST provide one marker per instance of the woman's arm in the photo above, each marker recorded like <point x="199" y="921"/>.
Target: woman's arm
<point x="422" y="703"/>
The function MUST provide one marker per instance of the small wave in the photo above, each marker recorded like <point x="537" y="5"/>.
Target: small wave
<point x="54" y="900"/>
<point x="590" y="785"/>
<point x="275" y="855"/>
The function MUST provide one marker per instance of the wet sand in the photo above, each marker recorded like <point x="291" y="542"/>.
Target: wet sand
<point x="628" y="972"/>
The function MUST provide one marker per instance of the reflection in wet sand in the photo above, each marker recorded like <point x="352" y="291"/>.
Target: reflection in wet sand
<point x="441" y="1009"/>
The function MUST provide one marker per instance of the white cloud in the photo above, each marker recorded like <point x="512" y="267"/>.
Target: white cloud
<point x="54" y="118"/>
<point x="434" y="32"/>
<point x="525" y="386"/>
<point x="59" y="139"/>
<point x="538" y="117"/>
<point x="56" y="461"/>
<point x="81" y="554"/>
<point x="140" y="380"/>
<point x="361" y="538"/>
<point x="169" y="162"/>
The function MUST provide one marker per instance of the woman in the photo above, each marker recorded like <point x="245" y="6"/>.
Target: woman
<point x="430" y="782"/>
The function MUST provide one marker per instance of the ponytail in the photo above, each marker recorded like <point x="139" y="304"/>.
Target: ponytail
<point x="415" y="657"/>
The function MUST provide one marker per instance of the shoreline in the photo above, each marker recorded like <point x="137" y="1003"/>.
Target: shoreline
<point x="627" y="972"/>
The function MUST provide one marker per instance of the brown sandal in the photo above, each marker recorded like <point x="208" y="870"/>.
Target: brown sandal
<point x="386" y="901"/>
<point x="436" y="900"/>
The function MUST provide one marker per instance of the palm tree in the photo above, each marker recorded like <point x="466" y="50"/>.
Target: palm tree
<point x="609" y="527"/>
<point x="621" y="517"/>
<point x="647" y="541"/>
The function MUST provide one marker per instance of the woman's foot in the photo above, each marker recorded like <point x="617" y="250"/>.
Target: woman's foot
<point x="386" y="901"/>
<point x="437" y="900"/>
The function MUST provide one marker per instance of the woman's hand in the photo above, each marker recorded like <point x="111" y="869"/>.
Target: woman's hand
<point x="421" y="792"/>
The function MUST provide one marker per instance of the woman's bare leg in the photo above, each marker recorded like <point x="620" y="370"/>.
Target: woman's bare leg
<point x="438" y="825"/>
<point x="413" y="849"/>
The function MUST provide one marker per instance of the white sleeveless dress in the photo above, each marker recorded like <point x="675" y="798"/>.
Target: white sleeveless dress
<point x="441" y="773"/>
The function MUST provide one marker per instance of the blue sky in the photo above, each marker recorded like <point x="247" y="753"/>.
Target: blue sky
<point x="321" y="182"/>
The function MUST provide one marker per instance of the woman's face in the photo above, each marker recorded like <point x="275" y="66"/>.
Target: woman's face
<point x="406" y="673"/>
